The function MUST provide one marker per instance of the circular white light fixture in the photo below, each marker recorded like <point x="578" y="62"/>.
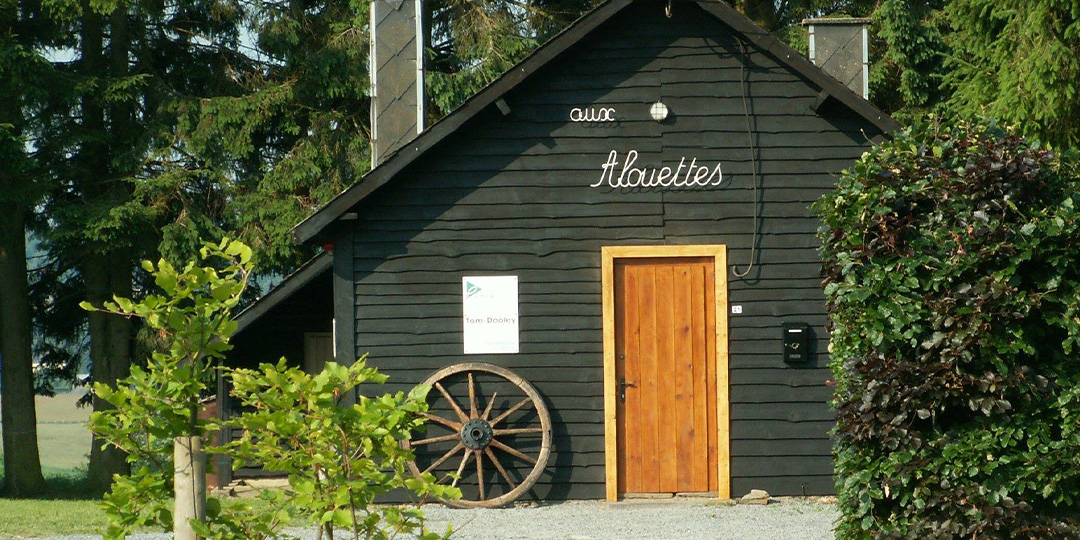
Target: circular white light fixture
<point x="659" y="111"/>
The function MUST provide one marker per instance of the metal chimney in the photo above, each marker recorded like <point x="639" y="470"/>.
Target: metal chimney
<point x="839" y="48"/>
<point x="396" y="67"/>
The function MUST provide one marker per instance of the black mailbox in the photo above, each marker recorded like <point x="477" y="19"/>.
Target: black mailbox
<point x="796" y="342"/>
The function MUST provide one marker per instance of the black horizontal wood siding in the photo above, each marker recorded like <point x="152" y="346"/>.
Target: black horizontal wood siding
<point x="277" y="334"/>
<point x="510" y="195"/>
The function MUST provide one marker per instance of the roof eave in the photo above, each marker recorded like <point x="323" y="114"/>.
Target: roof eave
<point x="314" y="225"/>
<point x="785" y="54"/>
<point x="307" y="272"/>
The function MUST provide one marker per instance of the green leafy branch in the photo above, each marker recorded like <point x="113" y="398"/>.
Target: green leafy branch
<point x="339" y="455"/>
<point x="192" y="318"/>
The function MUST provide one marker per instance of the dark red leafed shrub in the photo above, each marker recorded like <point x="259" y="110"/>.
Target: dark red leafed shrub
<point x="952" y="272"/>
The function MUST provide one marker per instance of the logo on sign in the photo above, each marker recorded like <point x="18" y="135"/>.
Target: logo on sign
<point x="471" y="289"/>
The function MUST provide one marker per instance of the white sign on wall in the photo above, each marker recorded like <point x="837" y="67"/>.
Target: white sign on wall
<point x="490" y="307"/>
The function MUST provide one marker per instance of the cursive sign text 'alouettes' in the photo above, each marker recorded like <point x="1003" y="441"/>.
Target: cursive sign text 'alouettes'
<point x="686" y="175"/>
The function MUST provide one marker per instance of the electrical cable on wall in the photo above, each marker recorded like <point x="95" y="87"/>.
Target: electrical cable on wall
<point x="744" y="83"/>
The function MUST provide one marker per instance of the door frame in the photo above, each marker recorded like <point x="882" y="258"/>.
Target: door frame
<point x="607" y="275"/>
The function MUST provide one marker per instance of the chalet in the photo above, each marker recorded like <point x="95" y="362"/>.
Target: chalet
<point x="604" y="263"/>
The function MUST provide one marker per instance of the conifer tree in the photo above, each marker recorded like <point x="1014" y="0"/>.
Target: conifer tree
<point x="1017" y="60"/>
<point x="472" y="43"/>
<point x="22" y="72"/>
<point x="126" y="190"/>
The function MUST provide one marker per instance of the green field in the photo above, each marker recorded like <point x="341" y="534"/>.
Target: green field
<point x="34" y="518"/>
<point x="63" y="438"/>
<point x="64" y="447"/>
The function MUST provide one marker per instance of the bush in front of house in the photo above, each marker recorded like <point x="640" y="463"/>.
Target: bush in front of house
<point x="339" y="453"/>
<point x="952" y="273"/>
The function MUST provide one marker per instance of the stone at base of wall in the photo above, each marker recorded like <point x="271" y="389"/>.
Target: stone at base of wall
<point x="250" y="487"/>
<point x="647" y="495"/>
<point x="756" y="496"/>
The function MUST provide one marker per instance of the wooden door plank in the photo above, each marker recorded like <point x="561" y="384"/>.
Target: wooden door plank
<point x="633" y="376"/>
<point x="701" y="403"/>
<point x="667" y="417"/>
<point x="649" y="419"/>
<point x="682" y="296"/>
<point x="710" y="364"/>
<point x="619" y="285"/>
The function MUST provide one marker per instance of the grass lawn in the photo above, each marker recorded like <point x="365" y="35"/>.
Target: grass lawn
<point x="29" y="518"/>
<point x="64" y="447"/>
<point x="26" y="518"/>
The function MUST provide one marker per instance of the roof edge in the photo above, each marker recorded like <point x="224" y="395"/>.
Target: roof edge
<point x="307" y="272"/>
<point x="312" y="226"/>
<point x="790" y="57"/>
<point x="836" y="20"/>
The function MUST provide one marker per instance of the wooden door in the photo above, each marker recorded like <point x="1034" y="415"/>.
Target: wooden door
<point x="665" y="347"/>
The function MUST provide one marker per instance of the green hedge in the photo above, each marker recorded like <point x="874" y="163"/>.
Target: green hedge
<point x="952" y="272"/>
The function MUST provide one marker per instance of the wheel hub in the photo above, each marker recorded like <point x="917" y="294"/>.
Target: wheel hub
<point x="476" y="434"/>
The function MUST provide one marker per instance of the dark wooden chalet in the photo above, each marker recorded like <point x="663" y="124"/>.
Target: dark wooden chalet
<point x="660" y="276"/>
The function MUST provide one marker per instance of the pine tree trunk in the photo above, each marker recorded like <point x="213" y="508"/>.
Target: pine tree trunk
<point x="104" y="273"/>
<point x="22" y="464"/>
<point x="189" y="485"/>
<point x="110" y="347"/>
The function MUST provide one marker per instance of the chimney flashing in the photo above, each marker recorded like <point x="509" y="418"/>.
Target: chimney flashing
<point x="835" y="20"/>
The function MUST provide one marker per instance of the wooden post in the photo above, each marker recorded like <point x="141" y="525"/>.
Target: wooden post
<point x="189" y="485"/>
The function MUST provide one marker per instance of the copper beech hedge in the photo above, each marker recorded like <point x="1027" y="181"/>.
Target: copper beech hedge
<point x="952" y="273"/>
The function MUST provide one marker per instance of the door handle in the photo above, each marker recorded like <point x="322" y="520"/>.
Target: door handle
<point x="622" y="388"/>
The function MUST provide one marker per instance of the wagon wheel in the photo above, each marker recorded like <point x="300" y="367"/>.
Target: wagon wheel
<point x="482" y="431"/>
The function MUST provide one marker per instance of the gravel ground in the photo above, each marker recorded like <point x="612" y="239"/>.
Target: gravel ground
<point x="690" y="519"/>
<point x="642" y="520"/>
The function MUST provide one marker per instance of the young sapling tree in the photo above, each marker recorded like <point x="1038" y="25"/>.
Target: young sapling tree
<point x="157" y="405"/>
<point x="339" y="453"/>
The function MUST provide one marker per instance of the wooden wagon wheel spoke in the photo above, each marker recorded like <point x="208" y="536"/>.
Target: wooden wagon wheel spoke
<point x="453" y="403"/>
<point x="440" y="420"/>
<point x="499" y="467"/>
<point x="472" y="397"/>
<point x="450" y="453"/>
<point x="475" y="435"/>
<point x="517" y="431"/>
<point x="450" y="437"/>
<point x="491" y="402"/>
<point x="461" y="468"/>
<point x="480" y="473"/>
<point x="513" y="452"/>
<point x="510" y="411"/>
